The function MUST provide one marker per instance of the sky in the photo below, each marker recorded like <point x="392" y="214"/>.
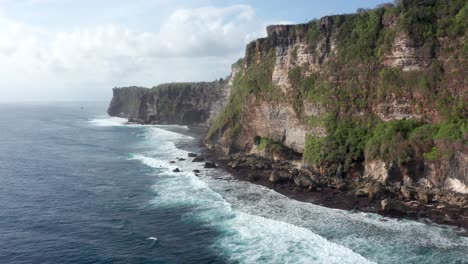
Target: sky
<point x="78" y="50"/>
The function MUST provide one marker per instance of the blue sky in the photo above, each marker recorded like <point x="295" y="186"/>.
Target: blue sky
<point x="79" y="50"/>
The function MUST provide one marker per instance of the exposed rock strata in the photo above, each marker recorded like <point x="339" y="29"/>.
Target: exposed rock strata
<point x="173" y="103"/>
<point x="401" y="80"/>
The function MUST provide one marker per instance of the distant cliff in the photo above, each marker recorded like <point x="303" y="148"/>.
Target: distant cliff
<point x="171" y="103"/>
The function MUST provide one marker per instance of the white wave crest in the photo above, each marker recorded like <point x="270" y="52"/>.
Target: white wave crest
<point x="259" y="225"/>
<point x="108" y="121"/>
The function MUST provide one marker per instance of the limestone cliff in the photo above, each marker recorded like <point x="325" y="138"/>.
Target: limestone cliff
<point x="172" y="103"/>
<point x="126" y="101"/>
<point x="381" y="94"/>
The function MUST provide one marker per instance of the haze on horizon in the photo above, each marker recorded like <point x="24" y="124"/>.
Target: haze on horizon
<point x="64" y="50"/>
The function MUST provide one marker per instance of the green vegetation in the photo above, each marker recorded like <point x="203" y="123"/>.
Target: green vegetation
<point x="358" y="35"/>
<point x="388" y="140"/>
<point x="271" y="146"/>
<point x="399" y="140"/>
<point x="344" y="144"/>
<point x="433" y="155"/>
<point x="264" y="143"/>
<point x="254" y="80"/>
<point x="352" y="82"/>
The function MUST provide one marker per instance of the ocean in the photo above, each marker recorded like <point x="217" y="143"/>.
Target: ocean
<point x="77" y="186"/>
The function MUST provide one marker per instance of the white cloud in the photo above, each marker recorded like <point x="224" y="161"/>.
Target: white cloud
<point x="191" y="44"/>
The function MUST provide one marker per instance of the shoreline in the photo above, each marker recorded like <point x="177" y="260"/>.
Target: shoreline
<point x="346" y="200"/>
<point x="328" y="195"/>
<point x="331" y="197"/>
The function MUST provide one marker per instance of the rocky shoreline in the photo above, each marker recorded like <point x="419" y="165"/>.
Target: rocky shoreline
<point x="347" y="194"/>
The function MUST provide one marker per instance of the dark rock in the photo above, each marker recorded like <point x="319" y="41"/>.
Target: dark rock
<point x="294" y="172"/>
<point x="302" y="180"/>
<point x="423" y="196"/>
<point x="312" y="187"/>
<point x="339" y="172"/>
<point x="253" y="177"/>
<point x="233" y="164"/>
<point x="199" y="159"/>
<point x="393" y="207"/>
<point x="192" y="155"/>
<point x="363" y="192"/>
<point x="406" y="192"/>
<point x="342" y="186"/>
<point x="181" y="159"/>
<point x="176" y="170"/>
<point x="277" y="177"/>
<point x="196" y="171"/>
<point x="172" y="162"/>
<point x="375" y="191"/>
<point x="210" y="165"/>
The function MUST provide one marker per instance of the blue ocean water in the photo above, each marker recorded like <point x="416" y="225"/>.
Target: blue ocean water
<point x="79" y="187"/>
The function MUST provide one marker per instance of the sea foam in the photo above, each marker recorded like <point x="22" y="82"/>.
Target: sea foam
<point x="259" y="225"/>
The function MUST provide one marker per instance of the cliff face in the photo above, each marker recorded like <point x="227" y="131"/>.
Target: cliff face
<point x="379" y="95"/>
<point x="126" y="101"/>
<point x="172" y="103"/>
<point x="382" y="93"/>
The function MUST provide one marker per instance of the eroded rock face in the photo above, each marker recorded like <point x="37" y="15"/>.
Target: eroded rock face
<point x="397" y="108"/>
<point x="277" y="122"/>
<point x="408" y="56"/>
<point x="450" y="174"/>
<point x="173" y="103"/>
<point x="126" y="102"/>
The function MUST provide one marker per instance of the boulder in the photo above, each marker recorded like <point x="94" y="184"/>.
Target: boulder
<point x="363" y="192"/>
<point x="393" y="207"/>
<point x="199" y="159"/>
<point x="181" y="159"/>
<point x="172" y="162"/>
<point x="294" y="172"/>
<point x="253" y="177"/>
<point x="192" y="155"/>
<point x="196" y="171"/>
<point x="277" y="177"/>
<point x="176" y="170"/>
<point x="210" y="165"/>
<point x="302" y="180"/>
<point x="233" y="164"/>
<point x="376" y="191"/>
<point x="423" y="196"/>
<point x="312" y="187"/>
<point x="406" y="192"/>
<point x="342" y="186"/>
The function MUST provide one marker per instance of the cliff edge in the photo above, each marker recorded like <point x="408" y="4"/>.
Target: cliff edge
<point x="171" y="103"/>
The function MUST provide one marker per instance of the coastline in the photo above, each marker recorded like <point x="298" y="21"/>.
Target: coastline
<point x="326" y="195"/>
<point x="332" y="197"/>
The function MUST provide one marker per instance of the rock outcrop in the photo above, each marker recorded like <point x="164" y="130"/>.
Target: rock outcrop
<point x="126" y="102"/>
<point x="172" y="103"/>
